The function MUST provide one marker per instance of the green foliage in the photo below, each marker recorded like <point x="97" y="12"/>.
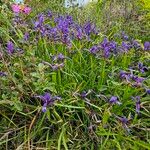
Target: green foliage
<point x="73" y="123"/>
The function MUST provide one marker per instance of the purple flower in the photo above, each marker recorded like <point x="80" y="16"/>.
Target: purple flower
<point x="43" y="31"/>
<point x="49" y="14"/>
<point x="26" y="36"/>
<point x="57" y="66"/>
<point x="10" y="47"/>
<point x="131" y="77"/>
<point x="113" y="46"/>
<point x="54" y="66"/>
<point x="138" y="106"/>
<point x="59" y="57"/>
<point x="124" y="36"/>
<point x="57" y="19"/>
<point x="142" y="68"/>
<point x="104" y="43"/>
<point x="136" y="44"/>
<point x="148" y="91"/>
<point x="123" y="120"/>
<point x="53" y="33"/>
<point x="44" y="107"/>
<point x="137" y="99"/>
<point x="94" y="49"/>
<point x="147" y="46"/>
<point x="87" y="28"/>
<point x="138" y="79"/>
<point x="47" y="100"/>
<point x="123" y="74"/>
<point x="41" y="19"/>
<point x="108" y="47"/>
<point x="83" y="94"/>
<point x="79" y="33"/>
<point x="106" y="52"/>
<point x="36" y="24"/>
<point x="126" y="46"/>
<point x="39" y="22"/>
<point x="69" y="19"/>
<point x="140" y="65"/>
<point x="114" y="100"/>
<point x="66" y="39"/>
<point x="65" y="30"/>
<point x="63" y="25"/>
<point x="2" y="74"/>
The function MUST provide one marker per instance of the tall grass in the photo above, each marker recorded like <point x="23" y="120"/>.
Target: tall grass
<point x="84" y="118"/>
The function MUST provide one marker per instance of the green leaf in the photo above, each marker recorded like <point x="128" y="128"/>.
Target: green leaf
<point x="18" y="106"/>
<point x="106" y="116"/>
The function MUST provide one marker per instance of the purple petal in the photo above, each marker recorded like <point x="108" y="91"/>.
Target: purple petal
<point x="94" y="49"/>
<point x="44" y="109"/>
<point x="60" y="56"/>
<point x="147" y="46"/>
<point x="114" y="100"/>
<point x="138" y="107"/>
<point x="140" y="65"/>
<point x="138" y="79"/>
<point x="148" y="91"/>
<point x="47" y="97"/>
<point x="2" y="74"/>
<point x="124" y="36"/>
<point x="123" y="74"/>
<point x="138" y="104"/>
<point x="49" y="14"/>
<point x="26" y="36"/>
<point x="123" y="120"/>
<point x="10" y="47"/>
<point x="83" y="94"/>
<point x="126" y="46"/>
<point x="36" y="24"/>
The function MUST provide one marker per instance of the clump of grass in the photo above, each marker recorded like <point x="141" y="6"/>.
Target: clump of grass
<point x="66" y="85"/>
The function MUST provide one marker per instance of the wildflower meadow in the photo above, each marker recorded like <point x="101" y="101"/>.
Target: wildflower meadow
<point x="75" y="78"/>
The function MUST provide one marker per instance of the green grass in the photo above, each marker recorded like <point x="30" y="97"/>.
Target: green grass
<point x="72" y="123"/>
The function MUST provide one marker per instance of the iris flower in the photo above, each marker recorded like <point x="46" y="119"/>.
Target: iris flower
<point x="94" y="49"/>
<point x="10" y="47"/>
<point x="148" y="91"/>
<point x="142" y="68"/>
<point x="147" y="46"/>
<point x="48" y="100"/>
<point x="138" y="106"/>
<point x="125" y="121"/>
<point x="138" y="103"/>
<point x="114" y="100"/>
<point x="59" y="57"/>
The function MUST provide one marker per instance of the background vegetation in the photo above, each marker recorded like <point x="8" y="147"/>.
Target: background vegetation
<point x="84" y="118"/>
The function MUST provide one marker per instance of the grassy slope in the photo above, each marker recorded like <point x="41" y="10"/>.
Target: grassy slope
<point x="66" y="125"/>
